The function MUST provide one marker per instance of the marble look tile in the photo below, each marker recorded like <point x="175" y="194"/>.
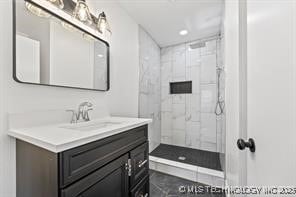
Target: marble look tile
<point x="209" y="146"/>
<point x="166" y="139"/>
<point x="178" y="137"/>
<point x="166" y="120"/>
<point x="210" y="48"/>
<point x="193" y="74"/>
<point x="180" y="63"/>
<point x="179" y="60"/>
<point x="166" y="54"/>
<point x="208" y="127"/>
<point x="178" y="98"/>
<point x="165" y="91"/>
<point x="149" y="87"/>
<point x="208" y="98"/>
<point x="193" y="127"/>
<point x="178" y="110"/>
<point x="167" y="104"/>
<point x="166" y="73"/>
<point x="193" y="140"/>
<point x="208" y="69"/>
<point x="193" y="103"/>
<point x="179" y="117"/>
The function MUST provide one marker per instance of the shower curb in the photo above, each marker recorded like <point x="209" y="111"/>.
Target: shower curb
<point x="187" y="171"/>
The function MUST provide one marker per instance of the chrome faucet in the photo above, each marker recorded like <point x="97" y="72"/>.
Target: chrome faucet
<point x="82" y="113"/>
<point x="83" y="110"/>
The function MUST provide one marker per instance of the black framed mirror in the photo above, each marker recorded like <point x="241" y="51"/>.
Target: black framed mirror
<point x="52" y="51"/>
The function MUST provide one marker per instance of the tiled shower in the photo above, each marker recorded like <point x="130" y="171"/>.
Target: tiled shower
<point x="189" y="120"/>
<point x="186" y="117"/>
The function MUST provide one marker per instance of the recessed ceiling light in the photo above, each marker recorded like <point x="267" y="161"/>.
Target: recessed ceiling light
<point x="183" y="32"/>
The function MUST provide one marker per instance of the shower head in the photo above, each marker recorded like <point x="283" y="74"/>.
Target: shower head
<point x="197" y="45"/>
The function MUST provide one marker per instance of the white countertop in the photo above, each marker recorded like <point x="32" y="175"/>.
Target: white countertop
<point x="60" y="137"/>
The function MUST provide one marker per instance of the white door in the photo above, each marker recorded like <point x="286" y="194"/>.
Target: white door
<point x="260" y="59"/>
<point x="271" y="90"/>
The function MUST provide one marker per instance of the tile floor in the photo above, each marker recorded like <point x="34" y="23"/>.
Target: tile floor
<point x="163" y="185"/>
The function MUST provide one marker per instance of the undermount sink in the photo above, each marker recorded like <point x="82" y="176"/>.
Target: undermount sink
<point x="90" y="126"/>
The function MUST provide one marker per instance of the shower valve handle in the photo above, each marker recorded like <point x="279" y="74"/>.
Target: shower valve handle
<point x="241" y="144"/>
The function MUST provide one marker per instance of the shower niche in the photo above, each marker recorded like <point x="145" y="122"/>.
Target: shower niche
<point x="184" y="87"/>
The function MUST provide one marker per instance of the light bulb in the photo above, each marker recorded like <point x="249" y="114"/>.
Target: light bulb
<point x="81" y="12"/>
<point x="36" y="10"/>
<point x="59" y="3"/>
<point x="102" y="24"/>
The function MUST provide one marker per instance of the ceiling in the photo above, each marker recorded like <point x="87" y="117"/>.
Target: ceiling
<point x="164" y="19"/>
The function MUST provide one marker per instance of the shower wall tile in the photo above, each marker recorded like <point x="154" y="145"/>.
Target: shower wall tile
<point x="166" y="104"/>
<point x="166" y="73"/>
<point x="208" y="127"/>
<point x="193" y="107"/>
<point x="208" y="146"/>
<point x="210" y="48"/>
<point x="178" y="98"/>
<point x="193" y="74"/>
<point x="166" y="139"/>
<point x="149" y="86"/>
<point x="166" y="121"/>
<point x="179" y="117"/>
<point x="166" y="54"/>
<point x="178" y="137"/>
<point x="192" y="56"/>
<point x="188" y="119"/>
<point x="208" y="98"/>
<point x="208" y="69"/>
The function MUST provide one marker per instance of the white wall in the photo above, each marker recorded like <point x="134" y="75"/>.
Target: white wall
<point x="122" y="98"/>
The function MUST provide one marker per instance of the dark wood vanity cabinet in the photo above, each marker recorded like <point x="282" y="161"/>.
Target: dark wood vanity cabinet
<point x="116" y="166"/>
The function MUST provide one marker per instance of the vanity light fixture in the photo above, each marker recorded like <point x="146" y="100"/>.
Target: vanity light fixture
<point x="58" y="3"/>
<point x="102" y="23"/>
<point x="69" y="27"/>
<point x="82" y="13"/>
<point x="36" y="10"/>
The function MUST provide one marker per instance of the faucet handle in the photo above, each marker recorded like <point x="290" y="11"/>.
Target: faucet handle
<point x="74" y="115"/>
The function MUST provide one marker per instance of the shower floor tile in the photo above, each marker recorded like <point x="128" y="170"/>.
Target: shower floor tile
<point x="191" y="156"/>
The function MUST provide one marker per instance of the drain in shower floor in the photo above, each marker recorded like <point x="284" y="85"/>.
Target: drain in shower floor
<point x="182" y="158"/>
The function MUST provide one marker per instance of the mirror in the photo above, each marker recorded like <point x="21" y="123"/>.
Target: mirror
<point x="50" y="51"/>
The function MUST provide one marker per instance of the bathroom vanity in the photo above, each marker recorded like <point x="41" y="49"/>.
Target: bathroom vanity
<point x="106" y="157"/>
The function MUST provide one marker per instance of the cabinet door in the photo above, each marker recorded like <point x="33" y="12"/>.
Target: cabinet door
<point x="109" y="181"/>
<point x="140" y="164"/>
<point x="142" y="189"/>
